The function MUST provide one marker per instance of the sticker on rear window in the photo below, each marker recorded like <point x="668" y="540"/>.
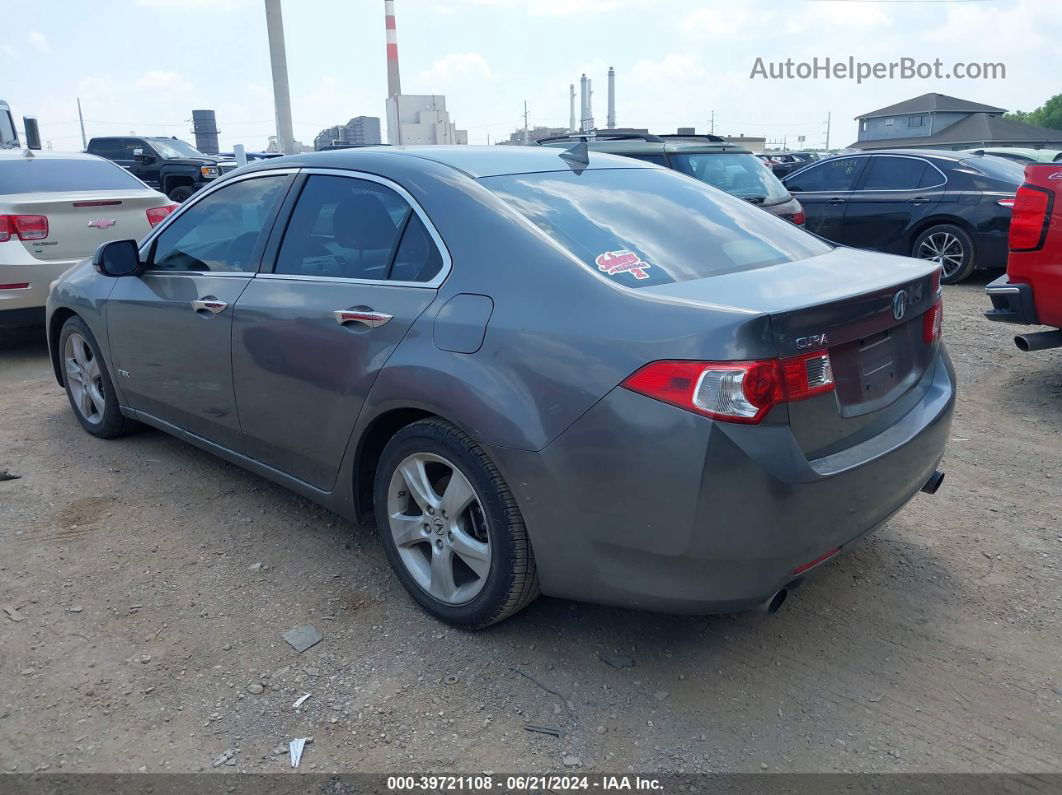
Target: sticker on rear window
<point x="623" y="261"/>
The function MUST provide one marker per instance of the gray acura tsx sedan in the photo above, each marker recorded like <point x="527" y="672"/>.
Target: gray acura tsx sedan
<point x="534" y="371"/>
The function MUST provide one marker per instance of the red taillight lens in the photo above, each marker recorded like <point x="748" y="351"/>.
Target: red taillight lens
<point x="158" y="214"/>
<point x="1029" y="218"/>
<point x="820" y="559"/>
<point x="734" y="391"/>
<point x="799" y="217"/>
<point x="24" y="227"/>
<point x="932" y="322"/>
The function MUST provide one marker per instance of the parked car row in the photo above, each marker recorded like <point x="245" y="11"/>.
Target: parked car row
<point x="169" y="165"/>
<point x="707" y="158"/>
<point x="952" y="208"/>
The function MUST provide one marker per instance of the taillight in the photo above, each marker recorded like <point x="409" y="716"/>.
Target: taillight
<point x="734" y="391"/>
<point x="932" y="321"/>
<point x="24" y="227"/>
<point x="157" y="215"/>
<point x="1029" y="218"/>
<point x="799" y="217"/>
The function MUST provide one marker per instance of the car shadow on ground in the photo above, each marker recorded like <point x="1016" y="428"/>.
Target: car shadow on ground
<point x="23" y="341"/>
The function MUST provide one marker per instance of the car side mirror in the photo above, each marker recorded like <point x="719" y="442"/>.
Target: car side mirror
<point x="117" y="258"/>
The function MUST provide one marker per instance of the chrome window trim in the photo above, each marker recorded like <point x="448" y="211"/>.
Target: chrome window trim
<point x="145" y="245"/>
<point x="905" y="190"/>
<point x="432" y="284"/>
<point x="867" y="156"/>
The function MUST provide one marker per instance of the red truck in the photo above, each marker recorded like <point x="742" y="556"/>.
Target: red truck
<point x="1031" y="290"/>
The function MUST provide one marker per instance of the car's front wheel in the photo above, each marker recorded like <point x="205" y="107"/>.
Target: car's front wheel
<point x="88" y="383"/>
<point x="952" y="247"/>
<point x="451" y="527"/>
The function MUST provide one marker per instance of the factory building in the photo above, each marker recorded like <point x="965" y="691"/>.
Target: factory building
<point x="414" y="119"/>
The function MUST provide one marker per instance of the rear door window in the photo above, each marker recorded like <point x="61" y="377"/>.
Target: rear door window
<point x="737" y="173"/>
<point x="643" y="227"/>
<point x="836" y="175"/>
<point x="885" y="172"/>
<point x="349" y="228"/>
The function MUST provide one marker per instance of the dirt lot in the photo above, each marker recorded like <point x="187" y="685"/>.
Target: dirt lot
<point x="150" y="637"/>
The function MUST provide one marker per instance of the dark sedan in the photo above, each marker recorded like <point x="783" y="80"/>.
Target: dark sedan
<point x="948" y="207"/>
<point x="538" y="370"/>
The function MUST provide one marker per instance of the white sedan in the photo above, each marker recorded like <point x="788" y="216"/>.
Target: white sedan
<point x="55" y="210"/>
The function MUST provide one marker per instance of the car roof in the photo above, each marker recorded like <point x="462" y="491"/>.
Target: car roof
<point x="474" y="161"/>
<point x="943" y="154"/>
<point x="633" y="146"/>
<point x="11" y="154"/>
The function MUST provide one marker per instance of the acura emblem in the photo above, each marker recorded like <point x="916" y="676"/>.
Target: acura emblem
<point x="899" y="304"/>
<point x="102" y="223"/>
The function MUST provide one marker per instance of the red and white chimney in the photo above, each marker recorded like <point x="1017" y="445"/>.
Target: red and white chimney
<point x="394" y="84"/>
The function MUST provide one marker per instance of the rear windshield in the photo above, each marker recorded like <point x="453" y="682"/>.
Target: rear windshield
<point x="997" y="167"/>
<point x="40" y="175"/>
<point x="740" y="174"/>
<point x="644" y="227"/>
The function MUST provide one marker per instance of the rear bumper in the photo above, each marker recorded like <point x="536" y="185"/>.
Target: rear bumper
<point x="645" y="505"/>
<point x="37" y="275"/>
<point x="1012" y="302"/>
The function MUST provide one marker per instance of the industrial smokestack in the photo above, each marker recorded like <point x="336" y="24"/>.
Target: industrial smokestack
<point x="571" y="99"/>
<point x="582" y="102"/>
<point x="279" y="63"/>
<point x="611" y="98"/>
<point x="394" y="84"/>
<point x="205" y="127"/>
<point x="589" y="104"/>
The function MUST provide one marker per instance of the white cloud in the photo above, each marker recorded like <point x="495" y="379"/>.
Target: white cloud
<point x="38" y="42"/>
<point x="455" y="67"/>
<point x="559" y="8"/>
<point x="185" y="6"/>
<point x="161" y="80"/>
<point x="8" y="51"/>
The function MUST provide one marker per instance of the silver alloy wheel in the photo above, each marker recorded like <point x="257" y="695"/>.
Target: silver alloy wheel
<point x="945" y="248"/>
<point x="85" y="378"/>
<point x="439" y="528"/>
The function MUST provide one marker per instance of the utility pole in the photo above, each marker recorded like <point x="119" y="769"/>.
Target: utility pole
<point x="279" y="63"/>
<point x="712" y="131"/>
<point x="80" y="118"/>
<point x="827" y="132"/>
<point x="527" y="137"/>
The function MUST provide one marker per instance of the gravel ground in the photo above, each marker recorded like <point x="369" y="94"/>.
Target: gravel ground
<point x="152" y="584"/>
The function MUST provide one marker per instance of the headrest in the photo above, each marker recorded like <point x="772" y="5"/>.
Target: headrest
<point x="362" y="222"/>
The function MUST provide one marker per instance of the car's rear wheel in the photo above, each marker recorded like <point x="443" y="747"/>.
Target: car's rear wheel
<point x="952" y="247"/>
<point x="451" y="527"/>
<point x="88" y="383"/>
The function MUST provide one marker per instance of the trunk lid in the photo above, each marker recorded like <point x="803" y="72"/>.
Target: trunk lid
<point x="78" y="222"/>
<point x="863" y="307"/>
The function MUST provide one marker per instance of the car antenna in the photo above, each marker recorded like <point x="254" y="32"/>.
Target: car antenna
<point x="577" y="155"/>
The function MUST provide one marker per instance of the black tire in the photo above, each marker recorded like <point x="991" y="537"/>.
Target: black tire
<point x="109" y="423"/>
<point x="933" y="238"/>
<point x="512" y="581"/>
<point x="181" y="193"/>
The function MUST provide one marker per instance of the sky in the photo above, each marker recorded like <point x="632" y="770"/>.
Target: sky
<point x="142" y="65"/>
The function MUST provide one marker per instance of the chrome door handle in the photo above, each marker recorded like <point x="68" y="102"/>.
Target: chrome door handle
<point x="837" y="200"/>
<point x="212" y="305"/>
<point x="366" y="317"/>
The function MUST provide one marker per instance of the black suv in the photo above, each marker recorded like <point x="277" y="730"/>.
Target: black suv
<point x="166" y="164"/>
<point x="949" y="207"/>
<point x="708" y="158"/>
